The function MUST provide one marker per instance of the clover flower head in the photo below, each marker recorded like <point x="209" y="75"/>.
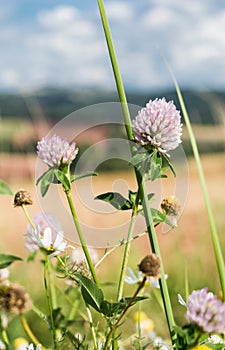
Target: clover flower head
<point x="158" y="125"/>
<point x="56" y="152"/>
<point x="206" y="311"/>
<point x="51" y="245"/>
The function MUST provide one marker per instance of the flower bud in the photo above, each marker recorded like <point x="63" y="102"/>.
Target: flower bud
<point x="22" y="197"/>
<point x="150" y="266"/>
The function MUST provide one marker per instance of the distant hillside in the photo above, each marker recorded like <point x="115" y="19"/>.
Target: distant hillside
<point x="54" y="104"/>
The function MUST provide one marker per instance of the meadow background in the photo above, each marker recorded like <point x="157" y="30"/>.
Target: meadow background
<point x="27" y="118"/>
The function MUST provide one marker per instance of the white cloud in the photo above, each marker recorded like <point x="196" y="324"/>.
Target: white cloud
<point x="65" y="45"/>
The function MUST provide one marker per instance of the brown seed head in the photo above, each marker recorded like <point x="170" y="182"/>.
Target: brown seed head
<point x="22" y="197"/>
<point x="171" y="205"/>
<point x="150" y="266"/>
<point x="13" y="298"/>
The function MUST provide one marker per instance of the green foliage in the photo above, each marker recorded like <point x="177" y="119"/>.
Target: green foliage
<point x="6" y="260"/>
<point x="4" y="188"/>
<point x="116" y="200"/>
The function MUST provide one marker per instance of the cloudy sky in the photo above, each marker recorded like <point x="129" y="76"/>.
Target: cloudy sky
<point x="61" y="43"/>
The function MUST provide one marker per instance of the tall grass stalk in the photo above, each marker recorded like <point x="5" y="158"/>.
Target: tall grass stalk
<point x="213" y="229"/>
<point x="128" y="126"/>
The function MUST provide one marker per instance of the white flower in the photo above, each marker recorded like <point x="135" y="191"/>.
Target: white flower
<point x="52" y="245"/>
<point x="131" y="278"/>
<point x="181" y="300"/>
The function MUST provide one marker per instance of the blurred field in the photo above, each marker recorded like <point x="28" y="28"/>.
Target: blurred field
<point x="187" y="245"/>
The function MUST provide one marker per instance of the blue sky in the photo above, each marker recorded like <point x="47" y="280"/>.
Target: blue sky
<point x="61" y="44"/>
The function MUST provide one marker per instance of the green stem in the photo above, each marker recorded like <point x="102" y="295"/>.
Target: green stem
<point x="81" y="237"/>
<point x="125" y="257"/>
<point x="112" y="330"/>
<point x="92" y="328"/>
<point x="147" y="211"/>
<point x="28" y="216"/>
<point x="52" y="287"/>
<point x="116" y="70"/>
<point x="213" y="230"/>
<point x="49" y="300"/>
<point x="29" y="331"/>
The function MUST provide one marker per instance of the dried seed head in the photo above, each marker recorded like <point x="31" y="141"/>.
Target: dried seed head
<point x="171" y="205"/>
<point x="13" y="298"/>
<point x="22" y="197"/>
<point x="150" y="266"/>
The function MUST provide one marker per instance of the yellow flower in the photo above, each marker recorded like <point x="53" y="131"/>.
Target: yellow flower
<point x="146" y="324"/>
<point x="20" y="344"/>
<point x="201" y="347"/>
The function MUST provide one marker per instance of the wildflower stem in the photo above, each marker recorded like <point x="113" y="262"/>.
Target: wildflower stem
<point x="28" y="216"/>
<point x="112" y="330"/>
<point x="141" y="185"/>
<point x="116" y="69"/>
<point x="81" y="237"/>
<point x="125" y="257"/>
<point x="213" y="229"/>
<point x="29" y="331"/>
<point x="49" y="300"/>
<point x="92" y="328"/>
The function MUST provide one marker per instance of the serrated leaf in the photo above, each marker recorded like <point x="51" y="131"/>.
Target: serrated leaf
<point x="62" y="178"/>
<point x="78" y="177"/>
<point x="91" y="293"/>
<point x="6" y="260"/>
<point x="4" y="188"/>
<point x="46" y="179"/>
<point x="116" y="200"/>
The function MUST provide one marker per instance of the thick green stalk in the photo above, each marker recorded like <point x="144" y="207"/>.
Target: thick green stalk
<point x="81" y="237"/>
<point x="214" y="234"/>
<point x="127" y="120"/>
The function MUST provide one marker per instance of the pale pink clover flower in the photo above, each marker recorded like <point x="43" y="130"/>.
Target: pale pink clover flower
<point x="206" y="311"/>
<point x="158" y="125"/>
<point x="56" y="152"/>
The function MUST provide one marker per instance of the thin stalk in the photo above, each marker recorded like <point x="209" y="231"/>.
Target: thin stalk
<point x="29" y="332"/>
<point x="92" y="328"/>
<point x="116" y="69"/>
<point x="125" y="257"/>
<point x="128" y="126"/>
<point x="81" y="237"/>
<point x="52" y="287"/>
<point x="5" y="337"/>
<point x="49" y="300"/>
<point x="114" y="327"/>
<point x="213" y="230"/>
<point x="28" y="216"/>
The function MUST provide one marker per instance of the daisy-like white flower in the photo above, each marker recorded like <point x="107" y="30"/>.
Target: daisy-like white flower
<point x="42" y="220"/>
<point x="206" y="311"/>
<point x="46" y="241"/>
<point x="158" y="125"/>
<point x="132" y="278"/>
<point x="56" y="152"/>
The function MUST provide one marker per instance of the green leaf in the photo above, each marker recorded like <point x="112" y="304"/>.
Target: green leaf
<point x="170" y="165"/>
<point x="110" y="309"/>
<point x="4" y="188"/>
<point x="62" y="178"/>
<point x="78" y="177"/>
<point x="138" y="158"/>
<point x="6" y="260"/>
<point x="91" y="293"/>
<point x="116" y="200"/>
<point x="159" y="217"/>
<point x="46" y="179"/>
